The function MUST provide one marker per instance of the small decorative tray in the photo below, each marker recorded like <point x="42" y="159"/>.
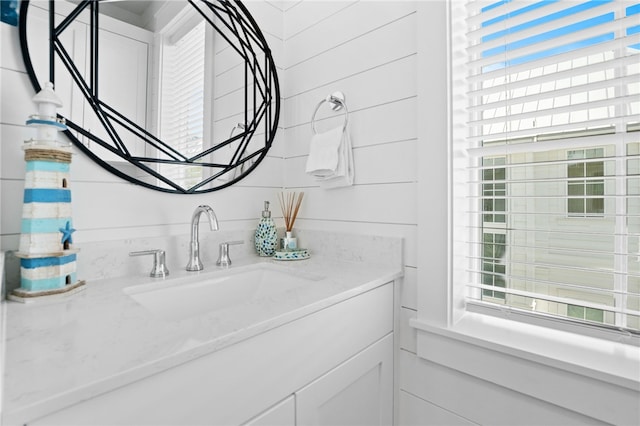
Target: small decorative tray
<point x="298" y="254"/>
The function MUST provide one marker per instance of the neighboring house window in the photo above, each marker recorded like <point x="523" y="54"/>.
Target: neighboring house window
<point x="547" y="168"/>
<point x="585" y="191"/>
<point x="493" y="266"/>
<point x="588" y="314"/>
<point x="494" y="210"/>
<point x="493" y="190"/>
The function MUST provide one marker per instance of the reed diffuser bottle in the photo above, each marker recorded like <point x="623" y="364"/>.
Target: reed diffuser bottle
<point x="290" y="205"/>
<point x="266" y="237"/>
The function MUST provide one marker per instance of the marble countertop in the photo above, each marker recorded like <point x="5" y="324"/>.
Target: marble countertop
<point x="68" y="350"/>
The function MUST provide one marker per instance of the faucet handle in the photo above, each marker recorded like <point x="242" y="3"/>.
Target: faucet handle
<point x="159" y="269"/>
<point x="223" y="257"/>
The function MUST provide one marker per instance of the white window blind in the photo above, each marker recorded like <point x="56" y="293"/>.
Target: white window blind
<point x="182" y="100"/>
<point x="546" y="158"/>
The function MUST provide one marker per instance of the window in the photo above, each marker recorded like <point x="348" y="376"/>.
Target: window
<point x="493" y="267"/>
<point x="585" y="192"/>
<point x="589" y="314"/>
<point x="493" y="190"/>
<point x="547" y="167"/>
<point x="493" y="227"/>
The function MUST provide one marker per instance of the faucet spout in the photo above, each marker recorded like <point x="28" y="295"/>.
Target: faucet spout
<point x="194" y="248"/>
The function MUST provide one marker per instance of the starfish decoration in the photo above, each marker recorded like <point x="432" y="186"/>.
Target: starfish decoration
<point x="66" y="233"/>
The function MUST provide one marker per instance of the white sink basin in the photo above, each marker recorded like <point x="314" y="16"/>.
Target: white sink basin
<point x="206" y="292"/>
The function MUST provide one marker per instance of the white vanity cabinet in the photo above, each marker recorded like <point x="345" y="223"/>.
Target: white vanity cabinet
<point x="332" y="366"/>
<point x="357" y="392"/>
<point x="282" y="414"/>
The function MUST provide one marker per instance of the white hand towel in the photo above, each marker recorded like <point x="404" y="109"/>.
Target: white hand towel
<point x="345" y="173"/>
<point x="324" y="153"/>
<point x="331" y="158"/>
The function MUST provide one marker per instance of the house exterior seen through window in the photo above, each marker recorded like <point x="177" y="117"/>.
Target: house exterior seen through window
<point x="551" y="164"/>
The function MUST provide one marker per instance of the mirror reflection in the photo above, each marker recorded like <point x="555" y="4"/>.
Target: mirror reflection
<point x="179" y="96"/>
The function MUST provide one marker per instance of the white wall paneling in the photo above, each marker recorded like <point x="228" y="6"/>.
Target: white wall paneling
<point x="302" y="15"/>
<point x="477" y="400"/>
<point x="385" y="203"/>
<point x="382" y="111"/>
<point x="366" y="162"/>
<point x="408" y="334"/>
<point x="383" y="123"/>
<point x="390" y="42"/>
<point x="409" y="288"/>
<point x="367" y="50"/>
<point x="371" y="87"/>
<point x="343" y="26"/>
<point x="10" y="47"/>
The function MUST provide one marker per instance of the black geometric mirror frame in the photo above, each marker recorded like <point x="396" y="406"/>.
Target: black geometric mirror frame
<point x="261" y="104"/>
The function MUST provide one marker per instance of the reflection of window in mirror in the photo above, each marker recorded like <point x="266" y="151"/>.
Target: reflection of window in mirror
<point x="182" y="102"/>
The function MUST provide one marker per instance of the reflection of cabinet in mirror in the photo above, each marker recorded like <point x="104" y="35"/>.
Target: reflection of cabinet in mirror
<point x="124" y="51"/>
<point x="123" y="82"/>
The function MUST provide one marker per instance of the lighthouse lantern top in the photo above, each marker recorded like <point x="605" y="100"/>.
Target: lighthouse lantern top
<point x="47" y="101"/>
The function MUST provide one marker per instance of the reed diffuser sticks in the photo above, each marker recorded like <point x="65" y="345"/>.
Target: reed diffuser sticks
<point x="290" y="204"/>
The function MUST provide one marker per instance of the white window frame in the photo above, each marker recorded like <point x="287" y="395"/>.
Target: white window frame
<point x="493" y="348"/>
<point x="174" y="23"/>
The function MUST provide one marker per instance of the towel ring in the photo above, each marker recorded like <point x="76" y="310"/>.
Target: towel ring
<point x="336" y="100"/>
<point x="237" y="126"/>
<point x="235" y="172"/>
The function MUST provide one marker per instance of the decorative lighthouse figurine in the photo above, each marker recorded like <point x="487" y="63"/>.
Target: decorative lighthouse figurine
<point x="47" y="258"/>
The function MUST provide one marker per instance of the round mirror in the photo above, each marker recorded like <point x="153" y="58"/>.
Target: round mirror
<point x="176" y="96"/>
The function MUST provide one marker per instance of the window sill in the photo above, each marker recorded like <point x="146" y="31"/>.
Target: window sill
<point x="612" y="362"/>
<point x="569" y="370"/>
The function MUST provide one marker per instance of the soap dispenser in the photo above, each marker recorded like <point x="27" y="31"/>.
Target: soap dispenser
<point x="266" y="237"/>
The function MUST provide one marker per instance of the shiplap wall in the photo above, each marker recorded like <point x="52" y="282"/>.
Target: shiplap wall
<point x="367" y="50"/>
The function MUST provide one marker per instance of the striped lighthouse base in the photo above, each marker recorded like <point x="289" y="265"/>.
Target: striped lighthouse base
<point x="24" y="296"/>
<point x="46" y="276"/>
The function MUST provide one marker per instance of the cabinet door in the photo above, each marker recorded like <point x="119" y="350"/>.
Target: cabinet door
<point x="357" y="392"/>
<point x="123" y="72"/>
<point x="282" y="414"/>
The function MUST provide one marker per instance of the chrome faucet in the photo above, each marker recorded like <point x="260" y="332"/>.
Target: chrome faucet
<point x="194" y="252"/>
